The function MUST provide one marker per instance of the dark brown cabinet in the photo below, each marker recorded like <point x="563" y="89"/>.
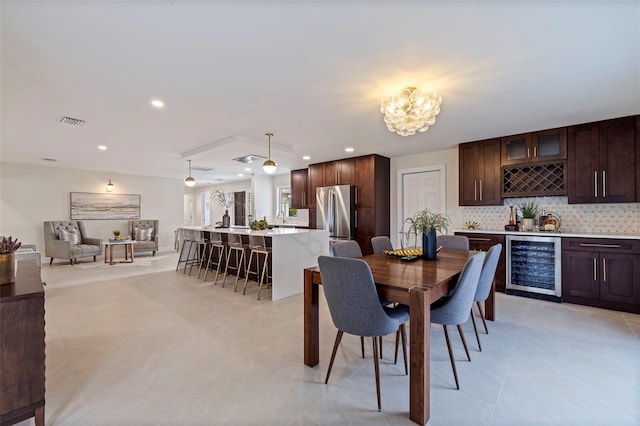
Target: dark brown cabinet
<point x="480" y="178"/>
<point x="602" y="162"/>
<point x="341" y="172"/>
<point x="484" y="242"/>
<point x="545" y="145"/>
<point x="22" y="347"/>
<point x="315" y="179"/>
<point x="299" y="189"/>
<point x="601" y="272"/>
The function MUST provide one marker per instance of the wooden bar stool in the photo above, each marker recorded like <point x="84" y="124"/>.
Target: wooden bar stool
<point x="217" y="251"/>
<point x="236" y="247"/>
<point x="258" y="247"/>
<point x="187" y="241"/>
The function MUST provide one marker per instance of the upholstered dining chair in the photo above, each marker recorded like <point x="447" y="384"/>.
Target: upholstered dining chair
<point x="380" y="244"/>
<point x="484" y="286"/>
<point x="347" y="248"/>
<point x="454" y="309"/>
<point x="355" y="307"/>
<point x="454" y="242"/>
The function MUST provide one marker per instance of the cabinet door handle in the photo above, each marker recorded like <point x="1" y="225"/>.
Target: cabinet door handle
<point x="595" y="184"/>
<point x="528" y="153"/>
<point x="604" y="184"/>
<point x="480" y="189"/>
<point x="604" y="269"/>
<point x="356" y="221"/>
<point x="595" y="266"/>
<point x="337" y="178"/>
<point x="304" y="198"/>
<point x="535" y="151"/>
<point x="356" y="195"/>
<point x="475" y="190"/>
<point x="600" y="245"/>
<point x="479" y="239"/>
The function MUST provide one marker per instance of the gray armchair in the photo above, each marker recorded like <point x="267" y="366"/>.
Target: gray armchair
<point x="79" y="245"/>
<point x="146" y="237"/>
<point x="29" y="251"/>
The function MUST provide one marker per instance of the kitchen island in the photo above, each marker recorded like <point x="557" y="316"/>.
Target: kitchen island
<point x="293" y="250"/>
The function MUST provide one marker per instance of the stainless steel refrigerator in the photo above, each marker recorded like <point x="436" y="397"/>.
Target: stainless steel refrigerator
<point x="336" y="211"/>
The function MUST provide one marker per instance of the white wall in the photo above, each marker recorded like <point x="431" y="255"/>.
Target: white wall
<point x="263" y="193"/>
<point x="216" y="210"/>
<point x="31" y="195"/>
<point x="449" y="158"/>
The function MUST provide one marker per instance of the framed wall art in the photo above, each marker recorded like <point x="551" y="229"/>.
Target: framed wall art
<point x="87" y="205"/>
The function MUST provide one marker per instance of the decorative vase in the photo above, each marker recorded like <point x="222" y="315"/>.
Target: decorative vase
<point x="527" y="224"/>
<point x="429" y="243"/>
<point x="226" y="219"/>
<point x="8" y="266"/>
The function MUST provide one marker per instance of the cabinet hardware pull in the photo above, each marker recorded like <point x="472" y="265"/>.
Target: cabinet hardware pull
<point x="475" y="190"/>
<point x="480" y="189"/>
<point x="595" y="266"/>
<point x="528" y="153"/>
<point x="479" y="239"/>
<point x="356" y="195"/>
<point x="356" y="221"/>
<point x="599" y="245"/>
<point x="304" y="198"/>
<point x="604" y="269"/>
<point x="595" y="184"/>
<point x="604" y="184"/>
<point x="535" y="151"/>
<point x="337" y="178"/>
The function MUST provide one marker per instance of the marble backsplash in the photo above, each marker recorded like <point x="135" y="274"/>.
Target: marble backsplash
<point x="576" y="218"/>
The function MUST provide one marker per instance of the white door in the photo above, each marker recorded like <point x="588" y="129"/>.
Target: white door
<point x="188" y="210"/>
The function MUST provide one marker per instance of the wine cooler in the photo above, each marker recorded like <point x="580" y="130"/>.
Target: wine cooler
<point x="534" y="266"/>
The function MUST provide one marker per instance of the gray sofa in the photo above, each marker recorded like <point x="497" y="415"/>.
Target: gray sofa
<point x="148" y="240"/>
<point x="56" y="247"/>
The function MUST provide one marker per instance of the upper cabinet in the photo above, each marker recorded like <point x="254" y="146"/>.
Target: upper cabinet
<point x="602" y="162"/>
<point x="299" y="189"/>
<point x="480" y="178"/>
<point x="341" y="172"/>
<point x="542" y="146"/>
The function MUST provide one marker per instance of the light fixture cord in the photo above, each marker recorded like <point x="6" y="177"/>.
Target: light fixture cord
<point x="269" y="136"/>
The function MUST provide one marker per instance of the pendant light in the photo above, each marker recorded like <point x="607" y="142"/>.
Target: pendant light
<point x="190" y="181"/>
<point x="269" y="166"/>
<point x="109" y="187"/>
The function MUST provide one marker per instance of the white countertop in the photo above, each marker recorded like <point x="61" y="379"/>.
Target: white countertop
<point x="553" y="234"/>
<point x="266" y="232"/>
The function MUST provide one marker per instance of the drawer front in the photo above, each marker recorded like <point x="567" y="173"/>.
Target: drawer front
<point x="602" y="245"/>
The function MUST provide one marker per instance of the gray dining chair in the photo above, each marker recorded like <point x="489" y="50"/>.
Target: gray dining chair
<point x="347" y="248"/>
<point x="454" y="242"/>
<point x="355" y="308"/>
<point x="484" y="286"/>
<point x="380" y="244"/>
<point x="454" y="309"/>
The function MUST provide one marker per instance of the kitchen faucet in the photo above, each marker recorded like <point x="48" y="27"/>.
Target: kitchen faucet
<point x="281" y="212"/>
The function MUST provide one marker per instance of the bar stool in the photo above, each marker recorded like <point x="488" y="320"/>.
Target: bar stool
<point x="201" y="246"/>
<point x="234" y="245"/>
<point x="187" y="240"/>
<point x="216" y="256"/>
<point x="258" y="247"/>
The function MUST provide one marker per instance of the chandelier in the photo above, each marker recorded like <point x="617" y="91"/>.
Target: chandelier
<point x="189" y="181"/>
<point x="410" y="111"/>
<point x="269" y="166"/>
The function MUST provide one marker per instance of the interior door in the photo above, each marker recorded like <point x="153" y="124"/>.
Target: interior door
<point x="188" y="210"/>
<point x="239" y="208"/>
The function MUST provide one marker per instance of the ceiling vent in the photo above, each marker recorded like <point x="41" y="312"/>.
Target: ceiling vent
<point x="202" y="168"/>
<point x="248" y="159"/>
<point x="72" y="121"/>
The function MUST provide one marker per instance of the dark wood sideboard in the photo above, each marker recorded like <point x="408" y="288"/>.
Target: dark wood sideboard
<point x="22" y="347"/>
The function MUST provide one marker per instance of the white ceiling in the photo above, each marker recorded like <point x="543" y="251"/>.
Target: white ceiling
<point x="312" y="72"/>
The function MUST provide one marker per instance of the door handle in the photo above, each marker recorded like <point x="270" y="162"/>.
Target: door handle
<point x="604" y="269"/>
<point x="535" y="151"/>
<point x="356" y="195"/>
<point x="604" y="184"/>
<point x="595" y="184"/>
<point x="600" y="245"/>
<point x="479" y="239"/>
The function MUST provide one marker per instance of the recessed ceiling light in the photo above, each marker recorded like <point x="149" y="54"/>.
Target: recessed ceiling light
<point x="157" y="103"/>
<point x="306" y="157"/>
<point x="102" y="147"/>
<point x="240" y="174"/>
<point x="248" y="169"/>
<point x="348" y="149"/>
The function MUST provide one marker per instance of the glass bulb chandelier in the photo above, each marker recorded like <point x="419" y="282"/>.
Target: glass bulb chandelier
<point x="190" y="181"/>
<point x="109" y="187"/>
<point x="269" y="166"/>
<point x="410" y="111"/>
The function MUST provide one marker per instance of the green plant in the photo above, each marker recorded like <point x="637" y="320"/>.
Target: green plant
<point x="529" y="209"/>
<point x="116" y="232"/>
<point x="9" y="245"/>
<point x="426" y="220"/>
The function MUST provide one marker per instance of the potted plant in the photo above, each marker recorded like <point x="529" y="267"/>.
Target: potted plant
<point x="223" y="199"/>
<point x="428" y="223"/>
<point x="529" y="213"/>
<point x="116" y="233"/>
<point x="8" y="262"/>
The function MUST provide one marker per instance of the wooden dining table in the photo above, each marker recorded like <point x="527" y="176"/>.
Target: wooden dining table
<point x="418" y="284"/>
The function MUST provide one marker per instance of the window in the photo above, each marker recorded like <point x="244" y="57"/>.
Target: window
<point x="284" y="202"/>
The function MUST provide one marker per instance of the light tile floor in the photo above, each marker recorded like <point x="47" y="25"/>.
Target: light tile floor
<point x="162" y="348"/>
